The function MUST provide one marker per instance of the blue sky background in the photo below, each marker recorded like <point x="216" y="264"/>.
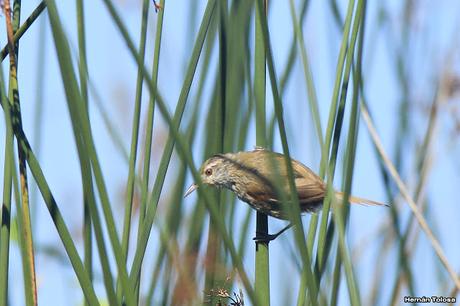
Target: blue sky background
<point x="434" y="38"/>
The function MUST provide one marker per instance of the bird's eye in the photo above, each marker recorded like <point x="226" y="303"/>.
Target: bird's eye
<point x="208" y="172"/>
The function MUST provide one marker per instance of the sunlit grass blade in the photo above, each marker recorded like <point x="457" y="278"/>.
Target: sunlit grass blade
<point x="83" y="72"/>
<point x="158" y="185"/>
<point x="294" y="209"/>
<point x="83" y="136"/>
<point x="340" y="215"/>
<point x="5" y="217"/>
<point x="55" y="213"/>
<point x="150" y="120"/>
<point x="134" y="144"/>
<point x="403" y="190"/>
<point x="186" y="156"/>
<point x="219" y="115"/>
<point x="327" y="151"/>
<point x="26" y="241"/>
<point x="25" y="26"/>
<point x="262" y="268"/>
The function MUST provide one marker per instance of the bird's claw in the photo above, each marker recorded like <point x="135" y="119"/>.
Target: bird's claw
<point x="264" y="238"/>
<point x="157" y="6"/>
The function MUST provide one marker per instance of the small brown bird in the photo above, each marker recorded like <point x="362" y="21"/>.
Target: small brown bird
<point x="253" y="175"/>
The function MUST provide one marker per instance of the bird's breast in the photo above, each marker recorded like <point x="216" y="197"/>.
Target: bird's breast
<point x="269" y="208"/>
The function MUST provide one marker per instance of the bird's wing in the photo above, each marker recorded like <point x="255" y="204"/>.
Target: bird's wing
<point x="309" y="193"/>
<point x="310" y="187"/>
<point x="271" y="167"/>
<point x="259" y="192"/>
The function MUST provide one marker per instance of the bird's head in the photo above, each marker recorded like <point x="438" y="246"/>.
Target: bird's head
<point x="214" y="172"/>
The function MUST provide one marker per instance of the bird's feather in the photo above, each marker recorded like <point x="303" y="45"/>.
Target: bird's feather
<point x="261" y="179"/>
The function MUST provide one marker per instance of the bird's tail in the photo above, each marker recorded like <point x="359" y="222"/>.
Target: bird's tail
<point x="357" y="200"/>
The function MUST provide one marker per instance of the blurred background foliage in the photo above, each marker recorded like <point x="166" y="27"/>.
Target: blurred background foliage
<point x="111" y="106"/>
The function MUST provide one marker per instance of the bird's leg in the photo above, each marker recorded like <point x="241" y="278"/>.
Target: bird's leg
<point x="262" y="237"/>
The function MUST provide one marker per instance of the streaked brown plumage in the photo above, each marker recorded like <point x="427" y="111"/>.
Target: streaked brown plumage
<point x="252" y="177"/>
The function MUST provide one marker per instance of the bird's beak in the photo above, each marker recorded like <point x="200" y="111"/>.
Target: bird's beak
<point x="191" y="189"/>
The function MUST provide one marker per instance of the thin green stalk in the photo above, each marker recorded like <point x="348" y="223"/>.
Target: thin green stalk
<point x="82" y="130"/>
<point x="184" y="153"/>
<point x="323" y="243"/>
<point x="340" y="213"/>
<point x="88" y="155"/>
<point x="215" y="141"/>
<point x="39" y="110"/>
<point x="313" y="101"/>
<point x="336" y="274"/>
<point x="260" y="76"/>
<point x="194" y="236"/>
<point x="83" y="72"/>
<point x="423" y="161"/>
<point x="242" y="139"/>
<point x="53" y="209"/>
<point x="90" y="210"/>
<point x="197" y="228"/>
<point x="164" y="163"/>
<point x="352" y="287"/>
<point x="195" y="232"/>
<point x="238" y="84"/>
<point x="348" y="173"/>
<point x="404" y="192"/>
<point x="343" y="95"/>
<point x="174" y="219"/>
<point x="215" y="214"/>
<point x="27" y="248"/>
<point x="213" y="255"/>
<point x="83" y="65"/>
<point x="25" y="26"/>
<point x="93" y="214"/>
<point x="149" y="126"/>
<point x="321" y="254"/>
<point x="312" y="97"/>
<point x="134" y="143"/>
<point x="262" y="270"/>
<point x="295" y="208"/>
<point x="61" y="227"/>
<point x="5" y="217"/>
<point x="150" y="119"/>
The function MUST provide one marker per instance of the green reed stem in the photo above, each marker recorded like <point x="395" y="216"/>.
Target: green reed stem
<point x="185" y="154"/>
<point x="5" y="217"/>
<point x="134" y="143"/>
<point x="27" y="248"/>
<point x="294" y="209"/>
<point x="25" y="26"/>
<point x="54" y="211"/>
<point x="321" y="254"/>
<point x="262" y="270"/>
<point x="82" y="130"/>
<point x="342" y="251"/>
<point x="83" y="72"/>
